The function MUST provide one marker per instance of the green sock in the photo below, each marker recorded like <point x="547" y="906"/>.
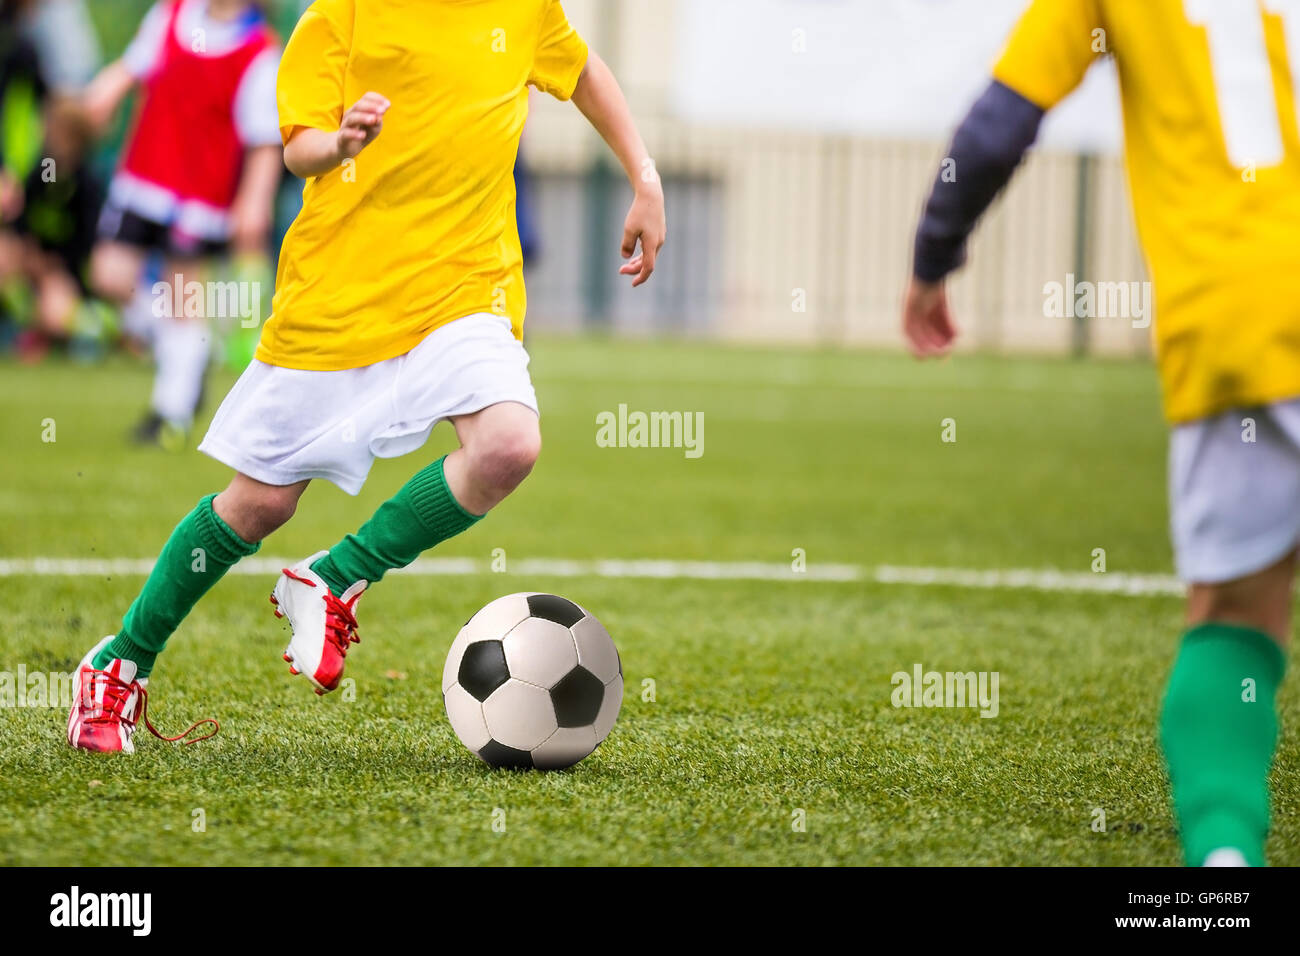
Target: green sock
<point x="196" y="556"/>
<point x="423" y="513"/>
<point x="1219" y="731"/>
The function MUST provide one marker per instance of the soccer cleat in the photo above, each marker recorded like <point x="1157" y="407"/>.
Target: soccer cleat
<point x="323" y="624"/>
<point x="107" y="704"/>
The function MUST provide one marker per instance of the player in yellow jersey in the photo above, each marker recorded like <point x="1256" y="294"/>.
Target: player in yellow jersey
<point x="399" y="304"/>
<point x="1212" y="145"/>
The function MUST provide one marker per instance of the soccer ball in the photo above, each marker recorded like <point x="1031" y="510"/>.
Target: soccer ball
<point x="532" y="680"/>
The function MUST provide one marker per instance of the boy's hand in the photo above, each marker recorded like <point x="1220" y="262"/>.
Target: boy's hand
<point x="927" y="320"/>
<point x="314" y="152"/>
<point x="647" y="222"/>
<point x="361" y="125"/>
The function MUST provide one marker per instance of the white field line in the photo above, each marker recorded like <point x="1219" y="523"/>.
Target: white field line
<point x="1114" y="582"/>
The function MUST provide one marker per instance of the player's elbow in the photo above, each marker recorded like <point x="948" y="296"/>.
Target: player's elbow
<point x="293" y="161"/>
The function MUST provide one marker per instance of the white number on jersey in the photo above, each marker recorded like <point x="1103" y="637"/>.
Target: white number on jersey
<point x="1243" y="80"/>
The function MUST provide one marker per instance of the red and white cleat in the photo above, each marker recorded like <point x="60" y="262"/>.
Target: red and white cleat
<point x="107" y="704"/>
<point x="324" y="624"/>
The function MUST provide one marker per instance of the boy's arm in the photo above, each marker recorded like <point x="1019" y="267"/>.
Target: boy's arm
<point x="255" y="203"/>
<point x="105" y="94"/>
<point x="601" y="101"/>
<point x="986" y="150"/>
<point x="110" y="87"/>
<point x="314" y="152"/>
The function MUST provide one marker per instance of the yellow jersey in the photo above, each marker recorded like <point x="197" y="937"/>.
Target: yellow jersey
<point x="419" y="230"/>
<point x="1212" y="148"/>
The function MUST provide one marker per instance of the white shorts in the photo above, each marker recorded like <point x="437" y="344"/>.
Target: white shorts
<point x="281" y="425"/>
<point x="1235" y="502"/>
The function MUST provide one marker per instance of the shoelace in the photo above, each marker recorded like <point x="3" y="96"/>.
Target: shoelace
<point x="340" y="617"/>
<point x="118" y="692"/>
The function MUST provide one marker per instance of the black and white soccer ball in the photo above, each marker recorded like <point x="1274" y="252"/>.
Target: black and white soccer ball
<point x="532" y="680"/>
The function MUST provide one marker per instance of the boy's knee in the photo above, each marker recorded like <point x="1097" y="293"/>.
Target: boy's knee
<point x="273" y="511"/>
<point x="506" y="457"/>
<point x="111" y="277"/>
<point x="255" y="511"/>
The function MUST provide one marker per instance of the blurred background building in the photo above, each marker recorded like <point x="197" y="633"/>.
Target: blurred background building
<point x="797" y="141"/>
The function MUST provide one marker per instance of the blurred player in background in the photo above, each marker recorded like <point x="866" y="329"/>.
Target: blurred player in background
<point x="49" y="217"/>
<point x="23" y="96"/>
<point x="1210" y="111"/>
<point x="66" y="42"/>
<point x="45" y="252"/>
<point x="399" y="304"/>
<point x="198" y="175"/>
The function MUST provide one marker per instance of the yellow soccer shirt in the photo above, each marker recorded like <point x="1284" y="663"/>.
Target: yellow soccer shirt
<point x="1213" y="157"/>
<point x="420" y="229"/>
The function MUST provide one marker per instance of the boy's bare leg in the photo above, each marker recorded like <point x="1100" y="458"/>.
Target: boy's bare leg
<point x="115" y="269"/>
<point x="181" y="349"/>
<point x="254" y="509"/>
<point x="58" y="298"/>
<point x="1261" y="602"/>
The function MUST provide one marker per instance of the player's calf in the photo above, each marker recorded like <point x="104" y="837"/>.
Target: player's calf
<point x="1219" y="724"/>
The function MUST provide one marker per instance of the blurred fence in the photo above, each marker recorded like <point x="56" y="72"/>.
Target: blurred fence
<point x="800" y="238"/>
<point x="764" y="222"/>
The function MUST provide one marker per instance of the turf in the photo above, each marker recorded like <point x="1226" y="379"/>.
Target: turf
<point x="767" y="698"/>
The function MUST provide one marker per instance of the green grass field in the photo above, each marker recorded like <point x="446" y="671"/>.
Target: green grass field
<point x="770" y="697"/>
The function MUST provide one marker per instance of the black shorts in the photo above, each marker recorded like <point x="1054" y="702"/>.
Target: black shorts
<point x="118" y="224"/>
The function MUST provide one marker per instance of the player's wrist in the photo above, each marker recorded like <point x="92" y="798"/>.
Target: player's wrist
<point x="645" y="180"/>
<point x="339" y="152"/>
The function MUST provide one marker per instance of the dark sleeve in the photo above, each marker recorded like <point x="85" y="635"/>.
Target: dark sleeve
<point x="988" y="146"/>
